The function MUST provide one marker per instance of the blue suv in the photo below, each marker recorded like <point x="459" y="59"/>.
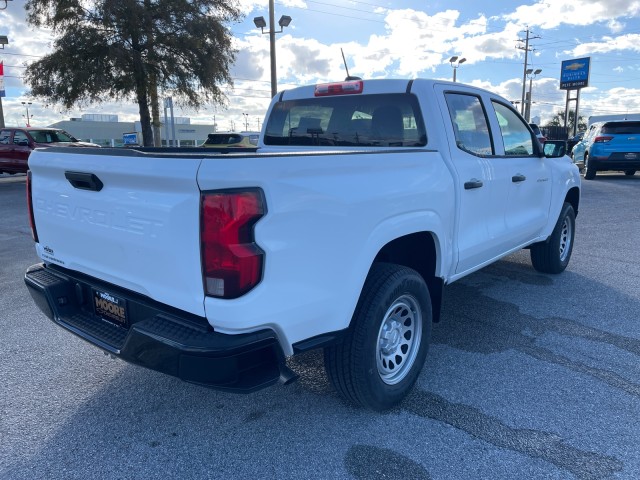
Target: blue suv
<point x="613" y="145"/>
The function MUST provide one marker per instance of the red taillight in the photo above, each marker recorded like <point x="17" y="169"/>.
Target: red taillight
<point x="341" y="88"/>
<point x="231" y="260"/>
<point x="32" y="222"/>
<point x="602" y="139"/>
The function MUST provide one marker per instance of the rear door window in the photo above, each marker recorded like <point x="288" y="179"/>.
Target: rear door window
<point x="392" y="120"/>
<point x="470" y="124"/>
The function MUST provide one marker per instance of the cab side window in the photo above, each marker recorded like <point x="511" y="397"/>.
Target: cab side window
<point x="516" y="136"/>
<point x="20" y="138"/>
<point x="470" y="124"/>
<point x="5" y="136"/>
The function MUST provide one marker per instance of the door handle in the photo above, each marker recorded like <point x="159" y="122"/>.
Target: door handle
<point x="473" y="183"/>
<point x="518" y="178"/>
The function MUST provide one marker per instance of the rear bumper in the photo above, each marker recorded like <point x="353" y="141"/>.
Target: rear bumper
<point x="616" y="161"/>
<point x="159" y="337"/>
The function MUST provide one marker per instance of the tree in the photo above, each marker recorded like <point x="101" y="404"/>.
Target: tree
<point x="132" y="49"/>
<point x="558" y="120"/>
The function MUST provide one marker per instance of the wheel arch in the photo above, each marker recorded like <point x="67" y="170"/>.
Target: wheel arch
<point x="418" y="251"/>
<point x="573" y="197"/>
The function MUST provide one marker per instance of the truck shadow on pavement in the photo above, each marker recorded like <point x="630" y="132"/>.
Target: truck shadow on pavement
<point x="141" y="424"/>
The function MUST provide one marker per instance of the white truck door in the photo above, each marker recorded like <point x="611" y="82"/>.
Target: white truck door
<point x="527" y="174"/>
<point x="480" y="193"/>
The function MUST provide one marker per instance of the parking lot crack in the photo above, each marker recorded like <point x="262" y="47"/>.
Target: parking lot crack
<point x="547" y="446"/>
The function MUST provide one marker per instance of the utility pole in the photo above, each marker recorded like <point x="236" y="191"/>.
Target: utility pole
<point x="526" y="63"/>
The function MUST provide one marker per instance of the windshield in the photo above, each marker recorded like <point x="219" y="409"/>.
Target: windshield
<point x="348" y="120"/>
<point x="51" y="136"/>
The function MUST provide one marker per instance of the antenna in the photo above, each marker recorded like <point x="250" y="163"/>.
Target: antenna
<point x="345" y="63"/>
<point x="349" y="77"/>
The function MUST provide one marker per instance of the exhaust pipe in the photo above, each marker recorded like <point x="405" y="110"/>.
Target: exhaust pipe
<point x="287" y="376"/>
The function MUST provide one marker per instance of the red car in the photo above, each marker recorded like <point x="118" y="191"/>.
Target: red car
<point x="16" y="144"/>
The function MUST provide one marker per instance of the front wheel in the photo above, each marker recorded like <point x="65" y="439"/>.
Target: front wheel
<point x="553" y="255"/>
<point x="379" y="360"/>
<point x="573" y="159"/>
<point x="589" y="169"/>
<point x="629" y="173"/>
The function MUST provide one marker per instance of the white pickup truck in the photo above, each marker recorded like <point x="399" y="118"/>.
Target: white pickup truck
<point x="364" y="199"/>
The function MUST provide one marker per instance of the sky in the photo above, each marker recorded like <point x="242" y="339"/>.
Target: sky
<point x="388" y="39"/>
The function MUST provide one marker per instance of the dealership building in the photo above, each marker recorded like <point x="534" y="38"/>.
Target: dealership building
<point x="107" y="131"/>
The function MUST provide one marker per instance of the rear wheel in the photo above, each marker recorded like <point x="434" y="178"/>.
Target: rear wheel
<point x="589" y="170"/>
<point x="379" y="360"/>
<point x="553" y="255"/>
<point x="629" y="173"/>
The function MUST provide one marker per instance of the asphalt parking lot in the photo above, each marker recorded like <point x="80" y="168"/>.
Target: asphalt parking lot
<point x="528" y="376"/>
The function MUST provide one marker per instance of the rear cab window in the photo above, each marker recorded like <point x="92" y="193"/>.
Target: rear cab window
<point x="390" y="120"/>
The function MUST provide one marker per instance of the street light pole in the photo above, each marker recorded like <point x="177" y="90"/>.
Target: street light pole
<point x="260" y="23"/>
<point x="26" y="104"/>
<point x="272" y="48"/>
<point x="3" y="41"/>
<point x="455" y="63"/>
<point x="246" y="121"/>
<point x="531" y="74"/>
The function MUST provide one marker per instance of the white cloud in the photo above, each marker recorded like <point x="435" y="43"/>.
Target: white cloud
<point x="548" y="14"/>
<point x="608" y="44"/>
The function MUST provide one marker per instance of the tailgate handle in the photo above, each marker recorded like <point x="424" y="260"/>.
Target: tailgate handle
<point x="84" y="181"/>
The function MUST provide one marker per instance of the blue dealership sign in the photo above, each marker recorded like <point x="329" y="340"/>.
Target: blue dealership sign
<point x="574" y="73"/>
<point x="130" y="138"/>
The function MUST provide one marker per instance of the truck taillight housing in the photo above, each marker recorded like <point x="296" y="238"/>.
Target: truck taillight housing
<point x="232" y="262"/>
<point x="32" y="221"/>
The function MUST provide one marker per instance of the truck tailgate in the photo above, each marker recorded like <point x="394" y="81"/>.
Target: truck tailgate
<point x="130" y="219"/>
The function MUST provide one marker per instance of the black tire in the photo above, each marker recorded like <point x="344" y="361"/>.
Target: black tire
<point x="589" y="170"/>
<point x="553" y="255"/>
<point x="629" y="173"/>
<point x="380" y="358"/>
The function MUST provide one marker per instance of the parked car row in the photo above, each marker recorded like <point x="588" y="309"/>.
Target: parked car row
<point x="608" y="145"/>
<point x="574" y="140"/>
<point x="16" y="143"/>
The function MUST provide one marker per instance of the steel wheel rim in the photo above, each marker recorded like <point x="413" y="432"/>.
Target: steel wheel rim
<point x="565" y="239"/>
<point x="399" y="339"/>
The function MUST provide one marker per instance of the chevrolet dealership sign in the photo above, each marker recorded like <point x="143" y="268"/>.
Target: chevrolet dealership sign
<point x="574" y="74"/>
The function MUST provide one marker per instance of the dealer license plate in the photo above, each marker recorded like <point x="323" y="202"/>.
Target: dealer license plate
<point x="110" y="307"/>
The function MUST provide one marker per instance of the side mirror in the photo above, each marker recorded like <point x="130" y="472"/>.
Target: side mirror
<point x="24" y="143"/>
<point x="555" y="148"/>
